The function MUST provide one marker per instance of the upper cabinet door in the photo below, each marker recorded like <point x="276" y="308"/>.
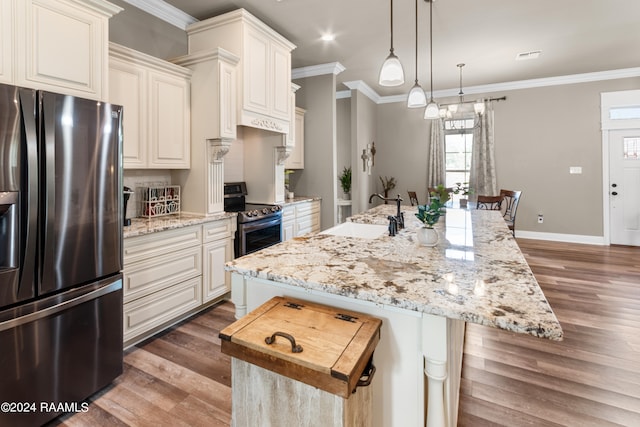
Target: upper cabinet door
<point x="281" y="82"/>
<point x="6" y="41"/>
<point x="227" y="99"/>
<point x="157" y="115"/>
<point x="127" y="87"/>
<point x="256" y="73"/>
<point x="170" y="125"/>
<point x="62" y="46"/>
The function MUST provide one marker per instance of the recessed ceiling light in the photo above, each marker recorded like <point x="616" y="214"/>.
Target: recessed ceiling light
<point x="328" y="37"/>
<point x="528" y="55"/>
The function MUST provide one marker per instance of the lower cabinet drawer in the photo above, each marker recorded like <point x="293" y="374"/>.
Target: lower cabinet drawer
<point x="153" y="310"/>
<point x="308" y="224"/>
<point x="149" y="276"/>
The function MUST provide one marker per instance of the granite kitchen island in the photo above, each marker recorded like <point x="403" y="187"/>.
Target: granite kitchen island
<point x="424" y="296"/>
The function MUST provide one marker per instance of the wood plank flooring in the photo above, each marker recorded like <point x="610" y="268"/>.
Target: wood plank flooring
<point x="591" y="378"/>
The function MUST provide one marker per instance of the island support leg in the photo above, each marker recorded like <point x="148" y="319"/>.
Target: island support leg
<point x="239" y="294"/>
<point x="442" y="345"/>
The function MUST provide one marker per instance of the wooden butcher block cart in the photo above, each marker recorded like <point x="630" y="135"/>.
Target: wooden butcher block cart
<point x="297" y="363"/>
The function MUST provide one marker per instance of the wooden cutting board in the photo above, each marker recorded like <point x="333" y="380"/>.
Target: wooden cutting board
<point x="336" y="344"/>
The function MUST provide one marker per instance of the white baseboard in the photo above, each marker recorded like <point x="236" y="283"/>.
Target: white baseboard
<point x="557" y="237"/>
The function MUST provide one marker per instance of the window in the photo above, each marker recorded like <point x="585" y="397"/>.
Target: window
<point x="631" y="148"/>
<point x="458" y="142"/>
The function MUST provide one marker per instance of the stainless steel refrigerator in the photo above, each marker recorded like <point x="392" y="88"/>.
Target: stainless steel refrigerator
<point x="60" y="252"/>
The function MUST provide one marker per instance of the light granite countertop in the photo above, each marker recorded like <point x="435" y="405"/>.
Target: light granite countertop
<point x="298" y="199"/>
<point x="476" y="273"/>
<point x="142" y="226"/>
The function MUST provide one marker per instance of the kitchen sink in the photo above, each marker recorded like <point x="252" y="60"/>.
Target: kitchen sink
<point x="354" y="229"/>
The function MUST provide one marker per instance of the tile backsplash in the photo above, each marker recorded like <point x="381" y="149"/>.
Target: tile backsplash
<point x="135" y="178"/>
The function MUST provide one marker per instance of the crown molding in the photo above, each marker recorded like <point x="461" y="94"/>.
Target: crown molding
<point x="365" y="89"/>
<point x="499" y="87"/>
<point x="206" y="55"/>
<point x="317" y="70"/>
<point x="164" y="11"/>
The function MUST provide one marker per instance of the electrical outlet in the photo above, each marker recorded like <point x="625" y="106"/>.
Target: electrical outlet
<point x="540" y="218"/>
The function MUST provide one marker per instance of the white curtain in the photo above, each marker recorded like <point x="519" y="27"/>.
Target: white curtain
<point x="482" y="176"/>
<point x="436" y="172"/>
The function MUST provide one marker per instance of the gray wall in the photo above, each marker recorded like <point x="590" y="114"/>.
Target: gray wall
<point x="143" y="32"/>
<point x="363" y="132"/>
<point x="539" y="134"/>
<point x="402" y="144"/>
<point x="343" y="135"/>
<point x="319" y="177"/>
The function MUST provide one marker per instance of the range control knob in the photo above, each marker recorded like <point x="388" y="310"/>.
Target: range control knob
<point x="265" y="210"/>
<point x="255" y="212"/>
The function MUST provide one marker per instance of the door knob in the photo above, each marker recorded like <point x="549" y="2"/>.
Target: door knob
<point x="614" y="193"/>
<point x="614" y="185"/>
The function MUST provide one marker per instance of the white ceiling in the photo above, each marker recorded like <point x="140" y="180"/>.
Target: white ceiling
<point x="575" y="36"/>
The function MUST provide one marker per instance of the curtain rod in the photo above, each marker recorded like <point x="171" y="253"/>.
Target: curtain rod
<point x="502" y="98"/>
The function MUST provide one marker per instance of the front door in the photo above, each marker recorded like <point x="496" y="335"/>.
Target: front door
<point x="624" y="186"/>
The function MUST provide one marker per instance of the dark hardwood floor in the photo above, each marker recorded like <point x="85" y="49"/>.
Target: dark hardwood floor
<point x="591" y="378"/>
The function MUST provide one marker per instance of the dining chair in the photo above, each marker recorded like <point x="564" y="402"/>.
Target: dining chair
<point x="490" y="203"/>
<point x="510" y="206"/>
<point x="413" y="198"/>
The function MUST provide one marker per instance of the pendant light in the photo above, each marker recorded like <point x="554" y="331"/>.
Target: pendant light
<point x="454" y="107"/>
<point x="416" y="98"/>
<point x="391" y="73"/>
<point x="432" y="111"/>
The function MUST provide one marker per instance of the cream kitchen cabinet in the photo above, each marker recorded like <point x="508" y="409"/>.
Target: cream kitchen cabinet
<point x="156" y="99"/>
<point x="300" y="218"/>
<point x="172" y="274"/>
<point x="214" y="100"/>
<point x="307" y="217"/>
<point x="56" y="45"/>
<point x="291" y="135"/>
<point x="217" y="250"/>
<point x="288" y="222"/>
<point x="162" y="279"/>
<point x="264" y="69"/>
<point x="6" y="41"/>
<point x="296" y="156"/>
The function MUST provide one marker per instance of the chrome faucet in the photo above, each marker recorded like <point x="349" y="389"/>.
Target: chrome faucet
<point x="399" y="218"/>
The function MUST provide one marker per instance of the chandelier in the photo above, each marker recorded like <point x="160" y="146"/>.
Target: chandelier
<point x="462" y="106"/>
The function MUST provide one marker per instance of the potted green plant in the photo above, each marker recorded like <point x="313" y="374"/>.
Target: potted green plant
<point x="440" y="193"/>
<point x="429" y="216"/>
<point x="345" y="182"/>
<point x="464" y="190"/>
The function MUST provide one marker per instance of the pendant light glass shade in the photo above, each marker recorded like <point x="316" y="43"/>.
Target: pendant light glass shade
<point x="432" y="111"/>
<point x="417" y="97"/>
<point x="391" y="73"/>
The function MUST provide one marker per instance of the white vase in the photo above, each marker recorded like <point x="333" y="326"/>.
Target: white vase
<point x="427" y="236"/>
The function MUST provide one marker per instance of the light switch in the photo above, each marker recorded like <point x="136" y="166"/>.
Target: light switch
<point x="575" y="169"/>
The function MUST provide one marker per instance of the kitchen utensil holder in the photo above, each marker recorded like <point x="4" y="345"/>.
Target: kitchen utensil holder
<point x="159" y="201"/>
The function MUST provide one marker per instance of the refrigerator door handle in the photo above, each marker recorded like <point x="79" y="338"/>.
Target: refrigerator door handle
<point x="54" y="309"/>
<point x="29" y="204"/>
<point x="47" y="193"/>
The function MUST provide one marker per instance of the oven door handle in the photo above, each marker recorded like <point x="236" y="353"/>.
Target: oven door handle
<point x="260" y="224"/>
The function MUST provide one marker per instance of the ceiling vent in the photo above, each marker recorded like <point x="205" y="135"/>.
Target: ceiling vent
<point x="534" y="54"/>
